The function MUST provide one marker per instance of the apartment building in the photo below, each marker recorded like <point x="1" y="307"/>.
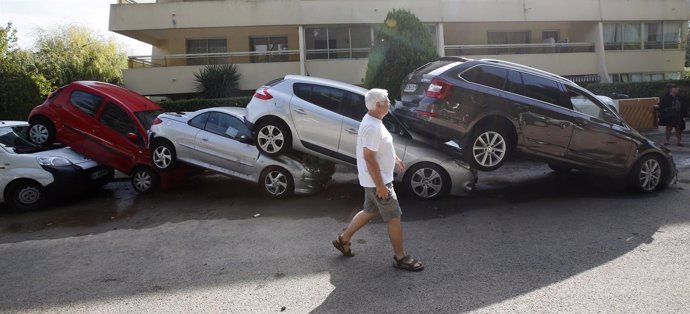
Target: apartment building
<point x="585" y="40"/>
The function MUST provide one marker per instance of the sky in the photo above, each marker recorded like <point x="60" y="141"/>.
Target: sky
<point x="28" y="15"/>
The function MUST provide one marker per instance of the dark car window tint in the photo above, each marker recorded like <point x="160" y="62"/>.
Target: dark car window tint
<point x="199" y="121"/>
<point x="327" y="97"/>
<point x="86" y="102"/>
<point x="543" y="89"/>
<point x="226" y="125"/>
<point x="117" y="119"/>
<point x="146" y="117"/>
<point x="353" y="106"/>
<point x="487" y="76"/>
<point x="583" y="103"/>
<point x="302" y="91"/>
<point x="515" y="83"/>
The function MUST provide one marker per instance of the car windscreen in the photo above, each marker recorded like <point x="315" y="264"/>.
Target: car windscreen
<point x="146" y="117"/>
<point x="16" y="137"/>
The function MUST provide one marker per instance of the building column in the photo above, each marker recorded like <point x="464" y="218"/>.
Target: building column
<point x="601" y="54"/>
<point x="441" y="42"/>
<point x="302" y="52"/>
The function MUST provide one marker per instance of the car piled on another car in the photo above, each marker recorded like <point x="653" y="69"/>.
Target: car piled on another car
<point x="105" y="122"/>
<point x="31" y="174"/>
<point x="218" y="140"/>
<point x="321" y="117"/>
<point x="493" y="108"/>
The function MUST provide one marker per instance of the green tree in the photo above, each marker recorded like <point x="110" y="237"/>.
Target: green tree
<point x="72" y="53"/>
<point x="217" y="81"/>
<point x="23" y="87"/>
<point x="401" y="45"/>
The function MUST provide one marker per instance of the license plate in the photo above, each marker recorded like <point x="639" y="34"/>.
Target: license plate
<point x="410" y="88"/>
<point x="98" y="174"/>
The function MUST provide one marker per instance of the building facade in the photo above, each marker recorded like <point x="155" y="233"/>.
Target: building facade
<point x="585" y="40"/>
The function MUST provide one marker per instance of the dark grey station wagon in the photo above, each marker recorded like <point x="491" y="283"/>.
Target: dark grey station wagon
<point x="493" y="109"/>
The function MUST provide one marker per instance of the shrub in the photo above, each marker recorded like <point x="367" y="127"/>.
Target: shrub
<point x="196" y="104"/>
<point x="217" y="81"/>
<point x="401" y="45"/>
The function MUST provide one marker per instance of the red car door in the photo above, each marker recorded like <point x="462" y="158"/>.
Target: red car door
<point x="79" y="109"/>
<point x="117" y="140"/>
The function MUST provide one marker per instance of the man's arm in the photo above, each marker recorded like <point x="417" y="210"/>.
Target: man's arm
<point x="375" y="172"/>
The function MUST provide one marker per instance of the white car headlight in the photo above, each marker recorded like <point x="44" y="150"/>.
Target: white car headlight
<point x="53" y="161"/>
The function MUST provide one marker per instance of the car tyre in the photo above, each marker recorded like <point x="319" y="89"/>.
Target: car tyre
<point x="26" y="195"/>
<point x="427" y="181"/>
<point x="489" y="148"/>
<point x="273" y="137"/>
<point x="42" y="132"/>
<point x="163" y="155"/>
<point x="145" y="180"/>
<point x="647" y="175"/>
<point x="276" y="182"/>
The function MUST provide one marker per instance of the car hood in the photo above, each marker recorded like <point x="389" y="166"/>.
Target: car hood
<point x="69" y="154"/>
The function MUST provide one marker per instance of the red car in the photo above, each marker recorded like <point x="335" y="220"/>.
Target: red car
<point x="104" y="122"/>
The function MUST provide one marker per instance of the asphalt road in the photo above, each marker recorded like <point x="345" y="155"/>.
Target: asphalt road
<point x="527" y="240"/>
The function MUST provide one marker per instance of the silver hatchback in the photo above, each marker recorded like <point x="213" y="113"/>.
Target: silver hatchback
<point x="218" y="140"/>
<point x="321" y="117"/>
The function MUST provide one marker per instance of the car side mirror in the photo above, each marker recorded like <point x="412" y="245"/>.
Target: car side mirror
<point x="132" y="137"/>
<point x="246" y="139"/>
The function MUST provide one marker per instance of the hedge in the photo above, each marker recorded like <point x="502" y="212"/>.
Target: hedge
<point x="198" y="103"/>
<point x="640" y="89"/>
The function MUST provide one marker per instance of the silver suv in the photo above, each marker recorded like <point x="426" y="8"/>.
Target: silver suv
<point x="321" y="117"/>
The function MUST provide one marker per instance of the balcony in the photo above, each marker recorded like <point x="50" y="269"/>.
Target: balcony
<point x="513" y="49"/>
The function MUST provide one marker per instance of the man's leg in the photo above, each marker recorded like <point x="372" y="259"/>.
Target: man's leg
<point x="360" y="219"/>
<point x="668" y="134"/>
<point x="395" y="234"/>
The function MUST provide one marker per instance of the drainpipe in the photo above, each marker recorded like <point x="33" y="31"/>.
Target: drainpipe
<point x="601" y="54"/>
<point x="441" y="46"/>
<point x="302" y="54"/>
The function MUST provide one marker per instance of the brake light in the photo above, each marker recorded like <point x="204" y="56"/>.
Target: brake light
<point x="439" y="89"/>
<point x="156" y="121"/>
<point x="263" y="94"/>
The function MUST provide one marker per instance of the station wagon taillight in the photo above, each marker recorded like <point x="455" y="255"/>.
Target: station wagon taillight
<point x="263" y="94"/>
<point x="439" y="89"/>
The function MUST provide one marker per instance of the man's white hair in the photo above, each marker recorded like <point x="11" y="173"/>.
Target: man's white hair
<point x="373" y="96"/>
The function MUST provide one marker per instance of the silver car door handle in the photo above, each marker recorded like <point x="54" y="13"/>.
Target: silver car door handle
<point x="351" y="131"/>
<point x="300" y="111"/>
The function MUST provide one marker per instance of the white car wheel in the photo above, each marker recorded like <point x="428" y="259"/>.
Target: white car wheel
<point x="277" y="182"/>
<point x="490" y="149"/>
<point x="273" y="138"/>
<point x="144" y="180"/>
<point x="427" y="181"/>
<point x="41" y="133"/>
<point x="163" y="156"/>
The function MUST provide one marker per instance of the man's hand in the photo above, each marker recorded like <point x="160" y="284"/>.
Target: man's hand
<point x="382" y="192"/>
<point x="400" y="164"/>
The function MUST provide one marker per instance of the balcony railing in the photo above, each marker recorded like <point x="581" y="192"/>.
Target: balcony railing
<point x="213" y="58"/>
<point x="135" y="1"/>
<point x="468" y="50"/>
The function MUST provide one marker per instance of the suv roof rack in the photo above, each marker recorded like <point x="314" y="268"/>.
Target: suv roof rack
<point x="529" y="68"/>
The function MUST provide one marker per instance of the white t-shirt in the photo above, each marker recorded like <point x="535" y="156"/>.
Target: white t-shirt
<point x="374" y="136"/>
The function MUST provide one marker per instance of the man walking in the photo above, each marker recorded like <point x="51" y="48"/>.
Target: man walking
<point x="376" y="160"/>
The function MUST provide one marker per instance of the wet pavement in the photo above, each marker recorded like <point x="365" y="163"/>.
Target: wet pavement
<point x="527" y="240"/>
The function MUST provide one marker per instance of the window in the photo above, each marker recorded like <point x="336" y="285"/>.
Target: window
<point x="226" y="125"/>
<point x="654" y="38"/>
<point x="342" y="42"/>
<point x="515" y="83"/>
<point x="199" y="121"/>
<point x="629" y="36"/>
<point x="542" y="89"/>
<point x="551" y="36"/>
<point x="146" y="117"/>
<point x="502" y="38"/>
<point x="672" y="35"/>
<point x="86" y="102"/>
<point x="217" y="45"/>
<point x="273" y="47"/>
<point x="584" y="104"/>
<point x="353" y="107"/>
<point x="325" y="97"/>
<point x="117" y="119"/>
<point x="623" y="36"/>
<point x="487" y="76"/>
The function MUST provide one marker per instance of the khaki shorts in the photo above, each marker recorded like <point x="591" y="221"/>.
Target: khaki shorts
<point x="388" y="209"/>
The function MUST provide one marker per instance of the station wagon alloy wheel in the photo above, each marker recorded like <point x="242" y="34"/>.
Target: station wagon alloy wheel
<point x="650" y="174"/>
<point x="427" y="181"/>
<point x="489" y="150"/>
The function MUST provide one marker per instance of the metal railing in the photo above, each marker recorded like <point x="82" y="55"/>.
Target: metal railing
<point x="468" y="50"/>
<point x="213" y="58"/>
<point x="135" y="1"/>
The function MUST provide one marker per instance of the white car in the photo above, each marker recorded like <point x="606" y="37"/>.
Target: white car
<point x="31" y="174"/>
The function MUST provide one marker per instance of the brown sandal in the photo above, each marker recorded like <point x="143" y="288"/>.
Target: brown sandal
<point x="340" y="245"/>
<point x="408" y="263"/>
